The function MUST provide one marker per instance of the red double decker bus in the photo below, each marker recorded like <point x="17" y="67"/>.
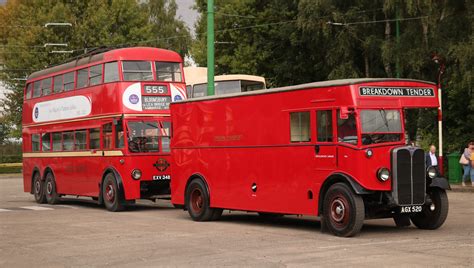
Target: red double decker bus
<point x="333" y="149"/>
<point x="99" y="126"/>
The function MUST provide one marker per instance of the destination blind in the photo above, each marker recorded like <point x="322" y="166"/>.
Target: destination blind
<point x="396" y="91"/>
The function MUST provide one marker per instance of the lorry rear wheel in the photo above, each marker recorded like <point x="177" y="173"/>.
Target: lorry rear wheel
<point x="38" y="189"/>
<point x="197" y="202"/>
<point x="434" y="215"/>
<point x="343" y="211"/>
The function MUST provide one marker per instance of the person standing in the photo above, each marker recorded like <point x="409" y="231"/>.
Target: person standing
<point x="431" y="159"/>
<point x="468" y="164"/>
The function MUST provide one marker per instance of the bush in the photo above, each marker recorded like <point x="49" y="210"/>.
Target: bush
<point x="11" y="158"/>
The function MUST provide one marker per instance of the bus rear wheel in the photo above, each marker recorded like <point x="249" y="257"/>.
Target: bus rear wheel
<point x="343" y="211"/>
<point x="52" y="196"/>
<point x="111" y="195"/>
<point x="38" y="189"/>
<point x="197" y="202"/>
<point x="434" y="215"/>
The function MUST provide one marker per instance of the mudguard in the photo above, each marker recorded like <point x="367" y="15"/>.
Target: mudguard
<point x="440" y="182"/>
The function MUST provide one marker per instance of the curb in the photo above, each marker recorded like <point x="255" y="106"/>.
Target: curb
<point x="464" y="189"/>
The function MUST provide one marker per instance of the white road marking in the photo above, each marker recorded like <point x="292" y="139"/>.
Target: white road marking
<point x="4" y="210"/>
<point x="37" y="208"/>
<point x="66" y="206"/>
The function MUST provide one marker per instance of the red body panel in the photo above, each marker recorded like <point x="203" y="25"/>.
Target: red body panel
<point x="234" y="142"/>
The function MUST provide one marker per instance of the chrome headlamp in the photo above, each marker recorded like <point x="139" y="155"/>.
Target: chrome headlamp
<point x="431" y="171"/>
<point x="383" y="174"/>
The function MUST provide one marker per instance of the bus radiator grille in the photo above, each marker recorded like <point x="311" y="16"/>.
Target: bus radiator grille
<point x="408" y="176"/>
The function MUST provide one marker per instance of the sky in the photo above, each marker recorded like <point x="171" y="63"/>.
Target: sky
<point x="185" y="12"/>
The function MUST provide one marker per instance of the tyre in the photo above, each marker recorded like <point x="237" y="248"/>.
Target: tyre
<point x="52" y="196"/>
<point x="111" y="194"/>
<point x="434" y="215"/>
<point x="343" y="211"/>
<point x="38" y="189"/>
<point x="401" y="220"/>
<point x="197" y="202"/>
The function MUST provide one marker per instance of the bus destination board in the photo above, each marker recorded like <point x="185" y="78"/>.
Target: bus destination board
<point x="156" y="102"/>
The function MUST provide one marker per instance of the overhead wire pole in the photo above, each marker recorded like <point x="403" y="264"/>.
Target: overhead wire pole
<point x="397" y="34"/>
<point x="210" y="47"/>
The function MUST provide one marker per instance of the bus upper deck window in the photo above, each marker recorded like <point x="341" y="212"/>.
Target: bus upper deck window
<point x="46" y="86"/>
<point x="95" y="75"/>
<point x="168" y="71"/>
<point x="111" y="73"/>
<point x="200" y="90"/>
<point x="82" y="78"/>
<point x="137" y="71"/>
<point x="68" y="80"/>
<point x="58" y="84"/>
<point x="37" y="89"/>
<point x="29" y="88"/>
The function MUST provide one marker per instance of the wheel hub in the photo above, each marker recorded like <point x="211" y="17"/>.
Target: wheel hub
<point x="49" y="187"/>
<point x="109" y="193"/>
<point x="338" y="210"/>
<point x="37" y="186"/>
<point x="197" y="200"/>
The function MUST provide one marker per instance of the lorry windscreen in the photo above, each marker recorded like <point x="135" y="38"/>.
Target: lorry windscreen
<point x="380" y="126"/>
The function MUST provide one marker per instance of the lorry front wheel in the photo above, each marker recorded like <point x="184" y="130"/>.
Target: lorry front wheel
<point x="433" y="215"/>
<point x="343" y="210"/>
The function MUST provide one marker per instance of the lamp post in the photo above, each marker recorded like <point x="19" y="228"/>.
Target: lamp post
<point x="436" y="58"/>
<point x="210" y="47"/>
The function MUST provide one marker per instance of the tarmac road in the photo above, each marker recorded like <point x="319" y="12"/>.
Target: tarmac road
<point x="80" y="233"/>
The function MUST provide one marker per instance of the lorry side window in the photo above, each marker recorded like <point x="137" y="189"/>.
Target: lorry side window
<point x="299" y="127"/>
<point x="324" y="125"/>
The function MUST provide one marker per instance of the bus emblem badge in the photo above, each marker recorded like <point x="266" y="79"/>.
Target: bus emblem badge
<point x="177" y="98"/>
<point x="133" y="99"/>
<point x="161" y="164"/>
<point x="36" y="112"/>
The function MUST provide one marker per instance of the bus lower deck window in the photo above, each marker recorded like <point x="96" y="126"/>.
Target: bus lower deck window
<point x="68" y="141"/>
<point x="94" y="138"/>
<point x="35" y="142"/>
<point x="57" y="139"/>
<point x="46" y="142"/>
<point x="107" y="135"/>
<point x="80" y="142"/>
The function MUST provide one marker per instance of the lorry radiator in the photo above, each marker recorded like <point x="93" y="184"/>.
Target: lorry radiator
<point x="408" y="176"/>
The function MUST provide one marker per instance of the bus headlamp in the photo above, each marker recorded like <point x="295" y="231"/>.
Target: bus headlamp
<point x="431" y="172"/>
<point x="383" y="174"/>
<point x="136" y="174"/>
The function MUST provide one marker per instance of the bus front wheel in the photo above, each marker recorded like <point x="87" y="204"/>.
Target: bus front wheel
<point x="197" y="202"/>
<point x="52" y="196"/>
<point x="38" y="189"/>
<point x="111" y="195"/>
<point x="343" y="211"/>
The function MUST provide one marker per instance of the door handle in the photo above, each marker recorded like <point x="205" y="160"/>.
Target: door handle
<point x="316" y="149"/>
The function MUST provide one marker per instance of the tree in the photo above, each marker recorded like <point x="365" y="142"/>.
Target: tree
<point x="112" y="23"/>
<point x="298" y="41"/>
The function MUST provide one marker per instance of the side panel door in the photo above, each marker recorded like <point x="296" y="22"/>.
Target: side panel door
<point x="325" y="149"/>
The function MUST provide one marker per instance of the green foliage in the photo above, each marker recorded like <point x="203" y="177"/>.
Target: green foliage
<point x="298" y="41"/>
<point x="94" y="24"/>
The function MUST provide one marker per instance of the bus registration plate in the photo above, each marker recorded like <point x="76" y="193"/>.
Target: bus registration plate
<point x="162" y="177"/>
<point x="411" y="209"/>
